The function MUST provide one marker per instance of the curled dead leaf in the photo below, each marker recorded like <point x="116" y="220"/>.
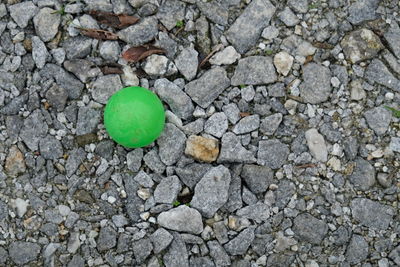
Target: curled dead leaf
<point x="112" y="68"/>
<point x="114" y="20"/>
<point x="135" y="54"/>
<point x="99" y="34"/>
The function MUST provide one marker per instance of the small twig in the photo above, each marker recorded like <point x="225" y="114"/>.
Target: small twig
<point x="309" y="165"/>
<point x="215" y="50"/>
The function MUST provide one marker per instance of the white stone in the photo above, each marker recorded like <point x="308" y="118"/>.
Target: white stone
<point x="225" y="57"/>
<point x="111" y="199"/>
<point x="316" y="145"/>
<point x="21" y="206"/>
<point x="283" y="62"/>
<point x="335" y="82"/>
<point x="64" y="210"/>
<point x="357" y="92"/>
<point x="159" y="65"/>
<point x="270" y="32"/>
<point x="291" y="106"/>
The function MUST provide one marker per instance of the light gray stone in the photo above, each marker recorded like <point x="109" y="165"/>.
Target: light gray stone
<point x="208" y="87"/>
<point x="272" y="153"/>
<point x="363" y="177"/>
<point x="258" y="212"/>
<point x="240" y="244"/>
<point x="288" y="17"/>
<point x="216" y="125"/>
<point x="22" y="13"/>
<point x="225" y="57"/>
<point x="46" y="23"/>
<point x="270" y="124"/>
<point x="179" y="102"/>
<point x="392" y="36"/>
<point x="83" y="69"/>
<point x="316" y="145"/>
<point x="361" y="45"/>
<point x="362" y="10"/>
<point x="171" y="143"/>
<point x="105" y="86"/>
<point x="140" y="33"/>
<point x="395" y="144"/>
<point x="366" y="212"/>
<point x="161" y="239"/>
<point x="211" y="192"/>
<point x="88" y="119"/>
<point x="39" y="52"/>
<point x="167" y="190"/>
<point x="378" y="119"/>
<point x="182" y="219"/>
<point x="309" y="229"/>
<point x="232" y="150"/>
<point x="247" y="124"/>
<point x="158" y="65"/>
<point x="187" y="63"/>
<point x="107" y="238"/>
<point x="379" y="73"/>
<point x="357" y="251"/>
<point x="316" y="87"/>
<point x="254" y="70"/>
<point x="22" y="252"/>
<point x="246" y="30"/>
<point x="214" y="11"/>
<point x="170" y="12"/>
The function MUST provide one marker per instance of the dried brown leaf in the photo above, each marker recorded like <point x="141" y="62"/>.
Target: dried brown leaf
<point x="244" y="114"/>
<point x="114" y="20"/>
<point x="99" y="34"/>
<point x="111" y="69"/>
<point x="135" y="54"/>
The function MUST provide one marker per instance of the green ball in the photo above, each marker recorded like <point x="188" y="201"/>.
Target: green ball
<point x="134" y="117"/>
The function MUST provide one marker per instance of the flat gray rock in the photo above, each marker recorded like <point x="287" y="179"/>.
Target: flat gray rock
<point x="316" y="87"/>
<point x="211" y="192"/>
<point x="134" y="159"/>
<point x="258" y="212"/>
<point x="392" y="36"/>
<point x="142" y="249"/>
<point x="177" y="254"/>
<point x="46" y="23"/>
<point x="170" y="12"/>
<point x="216" y="125"/>
<point x="179" y="102"/>
<point x="362" y="10"/>
<point x="88" y="119"/>
<point x="233" y="151"/>
<point x="270" y="124"/>
<point x="208" y="87"/>
<point x="39" y="52"/>
<point x="105" y="86"/>
<point x="167" y="190"/>
<point x="395" y="144"/>
<point x="50" y="148"/>
<point x="357" y="251"/>
<point x="395" y="255"/>
<point x="245" y="31"/>
<point x="309" y="229"/>
<point x="107" y="238"/>
<point x="366" y="212"/>
<point x="187" y="63"/>
<point x="140" y="33"/>
<point x="218" y="253"/>
<point x="77" y="47"/>
<point x="254" y="70"/>
<point x="240" y="244"/>
<point x="316" y="145"/>
<point x="214" y="11"/>
<point x="378" y="119"/>
<point x="247" y="124"/>
<point x="22" y="13"/>
<point x="363" y="177"/>
<point x="161" y="239"/>
<point x="172" y="143"/>
<point x="272" y="153"/>
<point x="379" y="73"/>
<point x="191" y="174"/>
<point x="83" y="69"/>
<point x="23" y="252"/>
<point x="182" y="219"/>
<point x="257" y="178"/>
<point x="63" y="79"/>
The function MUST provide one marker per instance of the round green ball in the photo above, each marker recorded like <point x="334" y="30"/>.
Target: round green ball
<point x="134" y="117"/>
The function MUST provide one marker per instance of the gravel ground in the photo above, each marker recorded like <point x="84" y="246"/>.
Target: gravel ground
<point x="279" y="147"/>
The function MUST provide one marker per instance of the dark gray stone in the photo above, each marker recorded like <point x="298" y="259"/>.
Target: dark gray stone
<point x="171" y="143"/>
<point x="208" y="87"/>
<point x="75" y="158"/>
<point x="258" y="212"/>
<point x="316" y="87"/>
<point x="357" y="251"/>
<point x="395" y="255"/>
<point x="3" y="210"/>
<point x="363" y="177"/>
<point x="257" y="178"/>
<point x="76" y="261"/>
<point x="240" y="244"/>
<point x="152" y="160"/>
<point x="23" y="252"/>
<point x="201" y="262"/>
<point x="134" y="159"/>
<point x="350" y="147"/>
<point x="72" y="85"/>
<point x="211" y="192"/>
<point x="170" y="12"/>
<point x="107" y="238"/>
<point x="254" y="70"/>
<point x="214" y="11"/>
<point x="3" y="255"/>
<point x="371" y="213"/>
<point x="272" y="153"/>
<point x="192" y="173"/>
<point x="247" y="28"/>
<point x="105" y="86"/>
<point x="142" y="249"/>
<point x="247" y="124"/>
<point x="187" y="63"/>
<point x="83" y="69"/>
<point x="309" y="229"/>
<point x="300" y="6"/>
<point x="77" y="47"/>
